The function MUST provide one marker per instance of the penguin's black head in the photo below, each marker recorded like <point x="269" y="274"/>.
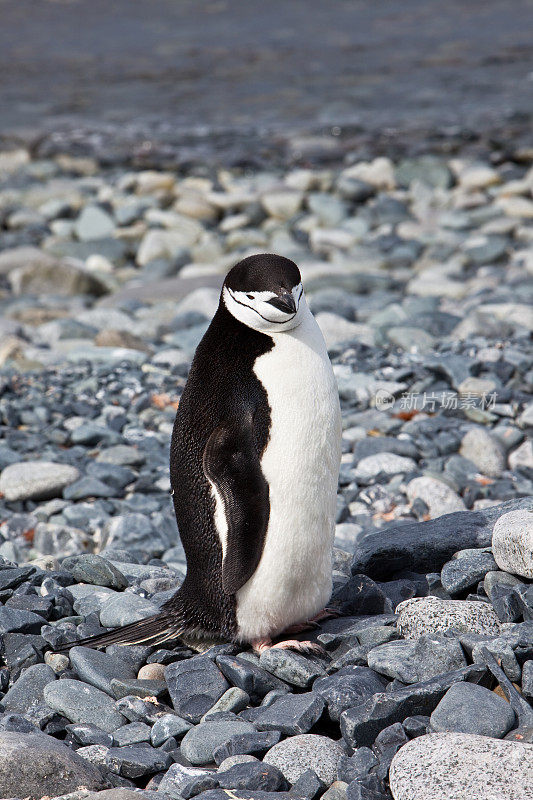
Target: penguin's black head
<point x="265" y="292"/>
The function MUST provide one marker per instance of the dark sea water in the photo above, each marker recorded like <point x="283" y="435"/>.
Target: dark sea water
<point x="224" y="73"/>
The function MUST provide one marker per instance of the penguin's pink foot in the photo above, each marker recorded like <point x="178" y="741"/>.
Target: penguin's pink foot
<point x="260" y="645"/>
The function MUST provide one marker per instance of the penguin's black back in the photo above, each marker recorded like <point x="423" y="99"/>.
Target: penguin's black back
<point x="221" y="386"/>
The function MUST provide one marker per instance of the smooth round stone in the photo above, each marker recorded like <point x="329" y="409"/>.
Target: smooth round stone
<point x="295" y="755"/>
<point x="99" y="668"/>
<point x="80" y="702"/>
<point x="34" y="765"/>
<point x="125" y="608"/>
<point x="437" y="495"/>
<point x="485" y="450"/>
<point x="421" y="615"/>
<point x="36" y="480"/>
<point x="94" y="569"/>
<point x="200" y="742"/>
<point x="442" y="766"/>
<point x="468" y="708"/>
<point x="512" y="543"/>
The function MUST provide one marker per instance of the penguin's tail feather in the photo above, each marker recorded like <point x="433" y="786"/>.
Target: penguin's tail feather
<point x="153" y="630"/>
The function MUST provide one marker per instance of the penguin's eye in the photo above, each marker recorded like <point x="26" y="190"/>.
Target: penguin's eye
<point x="250" y="296"/>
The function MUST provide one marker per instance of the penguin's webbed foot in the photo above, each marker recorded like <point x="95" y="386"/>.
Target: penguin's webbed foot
<point x="306" y="648"/>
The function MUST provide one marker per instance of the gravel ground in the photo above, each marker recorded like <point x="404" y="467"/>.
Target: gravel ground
<point x="419" y="273"/>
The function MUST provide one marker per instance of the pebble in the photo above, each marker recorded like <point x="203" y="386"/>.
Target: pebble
<point x="80" y="702"/>
<point x="291" y="714"/>
<point x="195" y="686"/>
<point x="466" y="570"/>
<point x="486" y="452"/>
<point x="347" y="687"/>
<point x="385" y="464"/>
<point x="438" y="497"/>
<point x="199" y="744"/>
<point x="295" y="755"/>
<point x="467" y="708"/>
<point x="98" y="668"/>
<point x="512" y="543"/>
<point x="96" y="570"/>
<point x="444" y="765"/>
<point x="36" y="480"/>
<point x="253" y="776"/>
<point x="291" y="667"/>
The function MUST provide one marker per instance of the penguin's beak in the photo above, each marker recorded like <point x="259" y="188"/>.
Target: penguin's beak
<point x="284" y="302"/>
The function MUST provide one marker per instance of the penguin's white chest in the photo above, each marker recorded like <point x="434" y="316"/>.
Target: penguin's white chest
<point x="301" y="465"/>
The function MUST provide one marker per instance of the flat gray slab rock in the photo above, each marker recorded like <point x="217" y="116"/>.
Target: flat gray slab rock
<point x="28" y="690"/>
<point x="442" y="766"/>
<point x="421" y="615"/>
<point x="36" y="480"/>
<point x="33" y="765"/>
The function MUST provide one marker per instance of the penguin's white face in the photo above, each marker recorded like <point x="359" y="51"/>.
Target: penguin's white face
<point x="267" y="311"/>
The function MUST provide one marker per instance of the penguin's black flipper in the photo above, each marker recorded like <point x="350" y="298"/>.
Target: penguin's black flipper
<point x="232" y="464"/>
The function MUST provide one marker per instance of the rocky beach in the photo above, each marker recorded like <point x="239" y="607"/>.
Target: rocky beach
<point x="415" y="245"/>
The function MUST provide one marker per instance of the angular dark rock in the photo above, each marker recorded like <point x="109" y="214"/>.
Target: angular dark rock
<point x="426" y="546"/>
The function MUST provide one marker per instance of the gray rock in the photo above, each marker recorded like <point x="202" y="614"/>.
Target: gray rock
<point x="36" y="480"/>
<point x="246" y="744"/>
<point x="291" y="714"/>
<point x="295" y="755"/>
<point x="445" y="765"/>
<point x="253" y="776"/>
<point x="426" y="546"/>
<point x="132" y="733"/>
<point x="485" y="450"/>
<point x="467" y="708"/>
<point x="99" y="668"/>
<point x="125" y="608"/>
<point x="421" y="615"/>
<point x="199" y="744"/>
<point x="194" y="686"/>
<point x="94" y="569"/>
<point x="413" y="661"/>
<point x="134" y="762"/>
<point x="93" y="223"/>
<point x="27" y="691"/>
<point x="57" y="278"/>
<point x="347" y="687"/>
<point x="33" y="765"/>
<point x="14" y="620"/>
<point x="80" y="702"/>
<point x="438" y="496"/>
<point x="466" y="570"/>
<point x="87" y="487"/>
<point x="291" y="667"/>
<point x="512" y="543"/>
<point x="166" y="726"/>
<point x="385" y="464"/>
<point x="179" y="780"/>
<point x="250" y="677"/>
<point x="361" y="724"/>
<point x="233" y="699"/>
<point x="136" y="532"/>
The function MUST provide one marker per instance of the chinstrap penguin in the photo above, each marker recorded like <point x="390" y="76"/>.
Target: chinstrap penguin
<point x="254" y="464"/>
